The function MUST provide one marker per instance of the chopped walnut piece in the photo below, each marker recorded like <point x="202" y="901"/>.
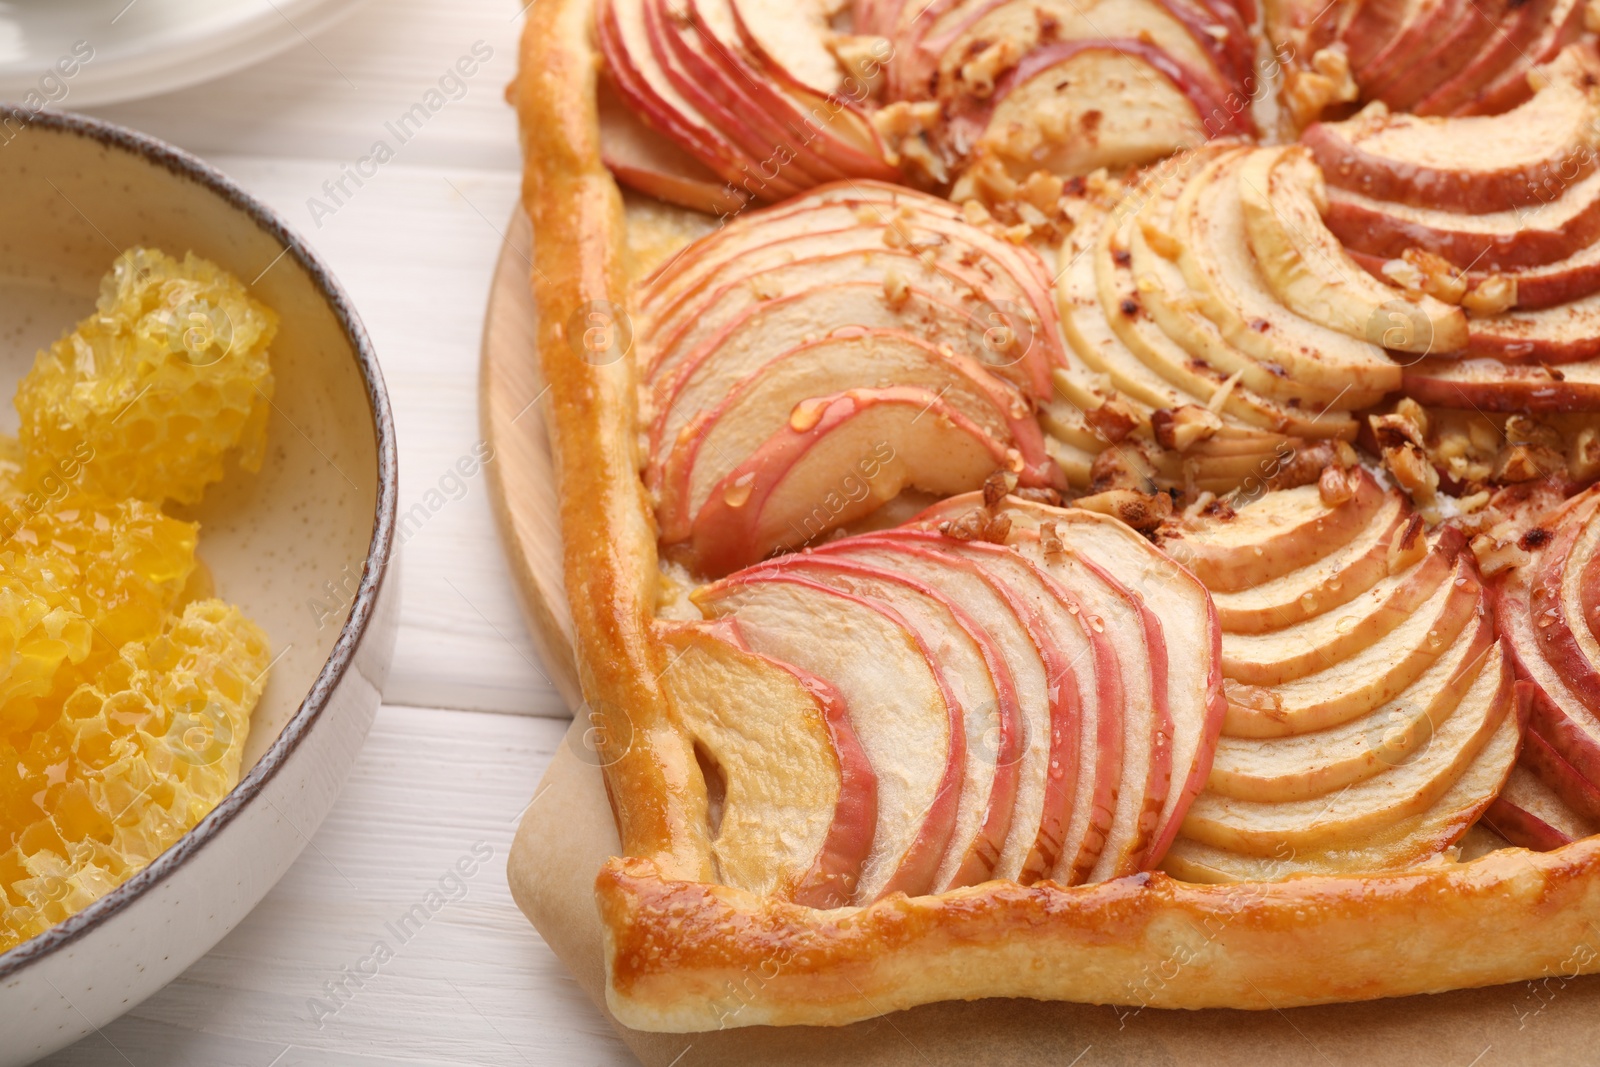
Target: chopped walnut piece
<point x="977" y="75"/>
<point x="1309" y="92"/>
<point x="896" y="290"/>
<point x="1583" y="454"/>
<point x="865" y="59"/>
<point x="1039" y="495"/>
<point x="1438" y="277"/>
<point x="1496" y="554"/>
<point x="1043" y="190"/>
<point x="903" y="126"/>
<point x="1143" y="511"/>
<point x="1304" y="465"/>
<point x="1407" y="545"/>
<point x="1181" y="428"/>
<point x="1112" y="421"/>
<point x="1336" y="486"/>
<point x="1410" y="467"/>
<point x="997" y="487"/>
<point x="1123" y="466"/>
<point x="1491" y="296"/>
<point x="1527" y="463"/>
<point x="1050" y="541"/>
<point x="1406" y="425"/>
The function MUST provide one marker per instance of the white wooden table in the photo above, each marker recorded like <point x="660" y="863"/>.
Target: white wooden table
<point x="469" y="720"/>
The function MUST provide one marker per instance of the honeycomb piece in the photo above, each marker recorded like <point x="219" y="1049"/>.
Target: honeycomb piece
<point x="135" y="758"/>
<point x="11" y="463"/>
<point x="148" y="394"/>
<point x="79" y="579"/>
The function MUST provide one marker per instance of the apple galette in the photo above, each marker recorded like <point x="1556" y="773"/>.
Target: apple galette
<point x="1043" y="479"/>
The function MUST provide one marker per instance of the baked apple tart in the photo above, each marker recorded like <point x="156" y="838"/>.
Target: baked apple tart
<point x="1042" y="478"/>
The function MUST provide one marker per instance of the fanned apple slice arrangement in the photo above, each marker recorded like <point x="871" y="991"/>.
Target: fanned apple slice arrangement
<point x="1370" y="707"/>
<point x="1218" y="319"/>
<point x="1549" y="614"/>
<point x="1442" y="57"/>
<point x="729" y="101"/>
<point x="1508" y="235"/>
<point x="1068" y="86"/>
<point x="810" y="362"/>
<point x="999" y="689"/>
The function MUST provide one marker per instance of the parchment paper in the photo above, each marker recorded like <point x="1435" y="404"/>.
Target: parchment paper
<point x="567" y="833"/>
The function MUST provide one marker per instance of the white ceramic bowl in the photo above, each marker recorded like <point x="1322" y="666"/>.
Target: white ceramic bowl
<point x="304" y="547"/>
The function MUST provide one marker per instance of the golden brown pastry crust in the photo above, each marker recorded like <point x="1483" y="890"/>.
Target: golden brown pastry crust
<point x="686" y="955"/>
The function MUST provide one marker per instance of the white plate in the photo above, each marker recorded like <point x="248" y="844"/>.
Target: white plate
<point x="144" y="47"/>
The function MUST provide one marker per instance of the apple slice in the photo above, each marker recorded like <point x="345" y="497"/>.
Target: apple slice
<point x="624" y="42"/>
<point x="1443" y="47"/>
<point x="1086" y="738"/>
<point x="1164" y="294"/>
<point x="1505" y="49"/>
<point x="1545" y="286"/>
<point x="1416" y="839"/>
<point x="1562" y="625"/>
<point x="1529" y="814"/>
<point x="824" y="130"/>
<point x="1492" y="385"/>
<point x="1282" y="197"/>
<point x="835" y="461"/>
<point x="698" y="45"/>
<point x="1320" y="642"/>
<point x="654" y="164"/>
<point x="1552" y="337"/>
<point x="1426" y="23"/>
<point x="972" y="658"/>
<point x="1331" y="582"/>
<point x="900" y="707"/>
<point x="1438" y="162"/>
<point x="1124" y="101"/>
<point x="1549" y="634"/>
<point x="789" y="758"/>
<point x="1146" y="767"/>
<point x="939" y="248"/>
<point x="1564" y="24"/>
<point x="1122" y="296"/>
<point x="1039" y="638"/>
<point x="760" y="405"/>
<point x="1275" y="534"/>
<point x="699" y="381"/>
<point x="1032" y="730"/>
<point x="892" y="214"/>
<point x="1316" y="764"/>
<point x="1374" y="676"/>
<point x="745" y="325"/>
<point x="802" y="266"/>
<point x="1184" y="635"/>
<point x="1559" y="227"/>
<point x="1356" y="812"/>
<point x="1371" y="25"/>
<point x="1215" y="256"/>
<point x="1086" y="322"/>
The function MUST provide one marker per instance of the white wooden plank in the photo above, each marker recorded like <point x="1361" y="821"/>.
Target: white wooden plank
<point x="330" y="99"/>
<point x="470" y="983"/>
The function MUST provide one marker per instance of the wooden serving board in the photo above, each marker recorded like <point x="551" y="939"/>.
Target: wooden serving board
<point x="522" y="476"/>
